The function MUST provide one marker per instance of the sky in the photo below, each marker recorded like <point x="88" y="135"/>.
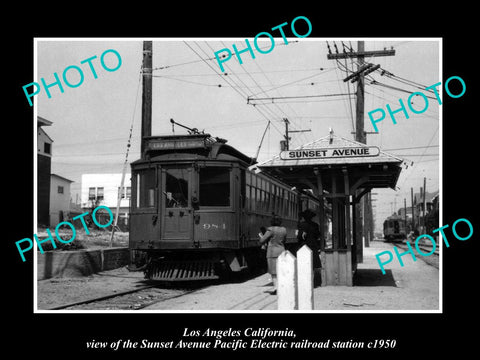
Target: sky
<point x="91" y="122"/>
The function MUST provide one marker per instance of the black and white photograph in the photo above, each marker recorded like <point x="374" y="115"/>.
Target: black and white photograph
<point x="179" y="186"/>
<point x="278" y="189"/>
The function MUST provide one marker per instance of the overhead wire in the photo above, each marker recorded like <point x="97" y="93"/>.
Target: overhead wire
<point x="204" y="59"/>
<point x="229" y="81"/>
<point x="374" y="82"/>
<point x="290" y="83"/>
<point x="251" y="77"/>
<point x="421" y="156"/>
<point x="274" y="115"/>
<point x="288" y="105"/>
<point x="232" y="73"/>
<point x="244" y="96"/>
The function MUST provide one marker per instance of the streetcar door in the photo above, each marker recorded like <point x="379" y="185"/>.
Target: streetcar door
<point x="176" y="204"/>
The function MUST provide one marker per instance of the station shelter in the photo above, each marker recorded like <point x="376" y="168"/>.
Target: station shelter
<point x="338" y="172"/>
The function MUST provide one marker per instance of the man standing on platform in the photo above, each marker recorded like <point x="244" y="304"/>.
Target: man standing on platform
<point x="309" y="234"/>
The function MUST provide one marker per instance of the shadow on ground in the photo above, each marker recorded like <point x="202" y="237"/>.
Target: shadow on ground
<point x="373" y="277"/>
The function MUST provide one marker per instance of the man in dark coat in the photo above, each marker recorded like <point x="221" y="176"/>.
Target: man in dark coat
<point x="309" y="234"/>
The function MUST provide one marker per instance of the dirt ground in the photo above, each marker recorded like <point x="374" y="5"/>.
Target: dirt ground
<point x="415" y="286"/>
<point x="96" y="239"/>
<point x="60" y="291"/>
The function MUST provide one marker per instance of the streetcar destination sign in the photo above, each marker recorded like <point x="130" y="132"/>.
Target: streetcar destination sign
<point x="328" y="153"/>
<point x="167" y="144"/>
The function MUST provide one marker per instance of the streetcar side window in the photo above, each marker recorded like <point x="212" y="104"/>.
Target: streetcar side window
<point x="214" y="186"/>
<point x="248" y="205"/>
<point x="273" y="197"/>
<point x="243" y="188"/>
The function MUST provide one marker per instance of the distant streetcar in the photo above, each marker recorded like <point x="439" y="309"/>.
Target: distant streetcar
<point x="196" y="208"/>
<point x="394" y="228"/>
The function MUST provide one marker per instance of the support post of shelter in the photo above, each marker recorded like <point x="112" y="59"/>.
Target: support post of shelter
<point x="321" y="212"/>
<point x="358" y="221"/>
<point x="351" y="261"/>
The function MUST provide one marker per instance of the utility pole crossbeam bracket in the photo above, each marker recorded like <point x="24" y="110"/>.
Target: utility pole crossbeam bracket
<point x="360" y="53"/>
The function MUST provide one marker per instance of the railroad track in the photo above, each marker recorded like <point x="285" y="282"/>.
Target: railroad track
<point x="432" y="260"/>
<point x="134" y="299"/>
<point x="426" y="249"/>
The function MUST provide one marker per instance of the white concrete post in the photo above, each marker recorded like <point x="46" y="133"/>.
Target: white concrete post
<point x="305" y="278"/>
<point x="287" y="281"/>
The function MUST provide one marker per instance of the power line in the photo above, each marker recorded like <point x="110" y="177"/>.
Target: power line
<point x="273" y="98"/>
<point x="421" y="157"/>
<point x="291" y="82"/>
<point x="205" y="59"/>
<point x="251" y="77"/>
<point x="408" y="155"/>
<point x="288" y="105"/>
<point x="234" y="88"/>
<point x="226" y="73"/>
<point x="412" y="147"/>
<point x="374" y="82"/>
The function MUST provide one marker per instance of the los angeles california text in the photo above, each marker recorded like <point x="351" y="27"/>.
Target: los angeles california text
<point x="248" y="338"/>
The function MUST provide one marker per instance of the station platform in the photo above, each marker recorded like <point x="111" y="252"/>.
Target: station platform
<point x="413" y="287"/>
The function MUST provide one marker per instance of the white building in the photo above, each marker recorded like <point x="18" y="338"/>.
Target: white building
<point x="103" y="189"/>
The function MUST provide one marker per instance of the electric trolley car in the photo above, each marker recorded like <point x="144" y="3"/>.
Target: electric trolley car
<point x="394" y="228"/>
<point x="196" y="208"/>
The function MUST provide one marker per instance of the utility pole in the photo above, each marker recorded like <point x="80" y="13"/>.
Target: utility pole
<point x="146" y="94"/>
<point x="420" y="226"/>
<point x="405" y="213"/>
<point x="360" y="134"/>
<point x="413" y="211"/>
<point x="287" y="137"/>
<point x="285" y="144"/>
<point x="424" y="205"/>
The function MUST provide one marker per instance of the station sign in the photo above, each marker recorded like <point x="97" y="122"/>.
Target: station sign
<point x="329" y="153"/>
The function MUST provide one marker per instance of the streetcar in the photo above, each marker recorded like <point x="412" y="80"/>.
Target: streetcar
<point x="197" y="208"/>
<point x="394" y="228"/>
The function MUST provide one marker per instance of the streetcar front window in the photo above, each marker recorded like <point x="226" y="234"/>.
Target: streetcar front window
<point x="176" y="188"/>
<point x="214" y="186"/>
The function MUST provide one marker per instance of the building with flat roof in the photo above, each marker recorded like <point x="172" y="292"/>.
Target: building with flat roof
<point x="104" y="189"/>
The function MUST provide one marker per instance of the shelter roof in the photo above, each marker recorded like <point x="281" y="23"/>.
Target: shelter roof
<point x="330" y="157"/>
